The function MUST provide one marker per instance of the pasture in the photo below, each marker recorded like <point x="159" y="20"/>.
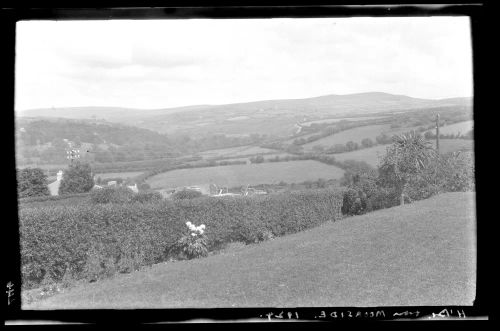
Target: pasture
<point x="454" y="145"/>
<point x="236" y="151"/>
<point x="355" y="134"/>
<point x="253" y="174"/>
<point x="373" y="155"/>
<point x="457" y="128"/>
<point x="336" y="120"/>
<point x="124" y="175"/>
<point x="384" y="258"/>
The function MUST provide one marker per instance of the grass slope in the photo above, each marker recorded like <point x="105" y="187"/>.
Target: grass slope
<point x="418" y="254"/>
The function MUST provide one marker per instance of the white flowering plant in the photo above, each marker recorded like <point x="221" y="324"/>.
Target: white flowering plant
<point x="194" y="243"/>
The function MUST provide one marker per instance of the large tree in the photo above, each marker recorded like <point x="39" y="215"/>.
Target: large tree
<point x="76" y="179"/>
<point x="31" y="182"/>
<point x="406" y="159"/>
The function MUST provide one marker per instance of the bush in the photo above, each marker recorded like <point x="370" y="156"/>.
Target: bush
<point x="458" y="172"/>
<point x="117" y="194"/>
<point x="31" y="182"/>
<point x="144" y="186"/>
<point x="364" y="192"/>
<point x="97" y="240"/>
<point x="193" y="243"/>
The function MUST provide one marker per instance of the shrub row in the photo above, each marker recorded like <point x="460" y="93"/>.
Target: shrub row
<point x="91" y="241"/>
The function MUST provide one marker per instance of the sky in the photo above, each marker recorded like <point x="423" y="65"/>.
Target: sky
<point x="152" y="64"/>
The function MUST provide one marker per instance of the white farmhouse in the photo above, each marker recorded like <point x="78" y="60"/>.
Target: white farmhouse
<point x="54" y="186"/>
<point x="134" y="188"/>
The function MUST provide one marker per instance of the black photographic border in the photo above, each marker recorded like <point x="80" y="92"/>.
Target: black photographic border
<point x="482" y="40"/>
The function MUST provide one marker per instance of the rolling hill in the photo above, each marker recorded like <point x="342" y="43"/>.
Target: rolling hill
<point x="267" y="116"/>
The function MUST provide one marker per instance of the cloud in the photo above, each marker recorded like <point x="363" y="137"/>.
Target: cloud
<point x="157" y="64"/>
<point x="155" y="59"/>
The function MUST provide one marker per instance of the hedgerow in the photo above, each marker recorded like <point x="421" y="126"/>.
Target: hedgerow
<point x="92" y="241"/>
<point x="53" y="197"/>
<point x="110" y="194"/>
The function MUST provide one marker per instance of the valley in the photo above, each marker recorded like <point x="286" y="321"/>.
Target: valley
<point x="255" y="138"/>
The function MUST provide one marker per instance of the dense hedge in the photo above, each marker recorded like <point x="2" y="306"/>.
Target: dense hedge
<point x="110" y="194"/>
<point x="92" y="241"/>
<point x="55" y="200"/>
<point x="121" y="194"/>
<point x="52" y="197"/>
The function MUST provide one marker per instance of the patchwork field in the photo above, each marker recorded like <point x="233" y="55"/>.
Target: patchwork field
<point x="253" y="174"/>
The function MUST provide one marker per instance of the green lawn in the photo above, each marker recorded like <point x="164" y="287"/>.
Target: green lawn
<point x="418" y="254"/>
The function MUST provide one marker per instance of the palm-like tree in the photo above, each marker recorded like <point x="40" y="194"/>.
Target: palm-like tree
<point x="407" y="157"/>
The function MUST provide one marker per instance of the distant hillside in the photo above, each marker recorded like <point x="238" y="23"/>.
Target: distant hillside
<point x="46" y="141"/>
<point x="264" y="117"/>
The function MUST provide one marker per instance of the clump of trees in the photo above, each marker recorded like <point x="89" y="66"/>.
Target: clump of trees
<point x="77" y="178"/>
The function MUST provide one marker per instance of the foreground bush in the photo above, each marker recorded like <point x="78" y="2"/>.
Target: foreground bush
<point x="193" y="244"/>
<point x="96" y="240"/>
<point x="364" y="194"/>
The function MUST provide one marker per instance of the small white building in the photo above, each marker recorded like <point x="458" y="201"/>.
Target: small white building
<point x="134" y="188"/>
<point x="54" y="186"/>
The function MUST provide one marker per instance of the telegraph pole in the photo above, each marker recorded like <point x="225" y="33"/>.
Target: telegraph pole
<point x="437" y="133"/>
